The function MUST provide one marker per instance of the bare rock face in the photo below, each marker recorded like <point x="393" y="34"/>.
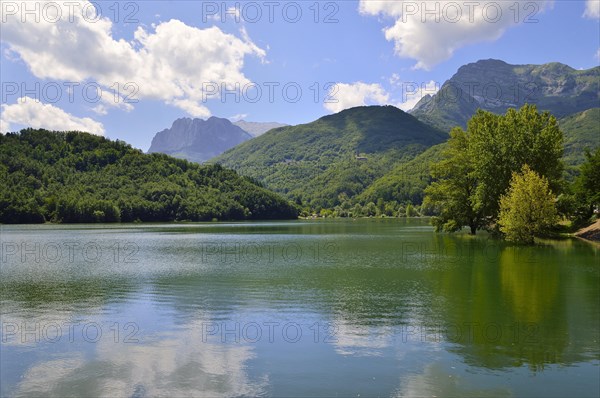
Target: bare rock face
<point x="495" y="86"/>
<point x="198" y="140"/>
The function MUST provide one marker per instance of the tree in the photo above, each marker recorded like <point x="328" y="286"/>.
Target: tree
<point x="528" y="208"/>
<point x="500" y="145"/>
<point x="477" y="166"/>
<point x="357" y="210"/>
<point x="79" y="177"/>
<point x="453" y="192"/>
<point x="391" y="208"/>
<point x="411" y="211"/>
<point x="370" y="209"/>
<point x="587" y="185"/>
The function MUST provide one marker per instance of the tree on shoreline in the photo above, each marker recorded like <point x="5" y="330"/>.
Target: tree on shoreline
<point x="478" y="164"/>
<point x="451" y="195"/>
<point x="587" y="185"/>
<point x="528" y="208"/>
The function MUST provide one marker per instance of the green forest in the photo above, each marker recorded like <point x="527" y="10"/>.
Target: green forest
<point x="75" y="177"/>
<point x="365" y="162"/>
<point x="327" y="163"/>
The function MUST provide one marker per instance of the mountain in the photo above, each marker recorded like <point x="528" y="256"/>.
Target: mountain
<point x="337" y="156"/>
<point x="257" y="128"/>
<point x="79" y="177"/>
<point x="408" y="179"/>
<point x="582" y="130"/>
<point x="198" y="140"/>
<point x="495" y="86"/>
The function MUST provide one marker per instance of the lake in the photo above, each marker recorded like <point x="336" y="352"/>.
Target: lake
<point x="374" y="307"/>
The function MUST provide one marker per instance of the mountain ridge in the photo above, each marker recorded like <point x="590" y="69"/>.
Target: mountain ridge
<point x="340" y="153"/>
<point x="198" y="140"/>
<point x="258" y="128"/>
<point x="494" y="85"/>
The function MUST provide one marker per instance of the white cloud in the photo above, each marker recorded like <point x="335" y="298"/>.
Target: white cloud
<point x="238" y="117"/>
<point x="4" y="126"/>
<point x="592" y="9"/>
<point x="343" y="96"/>
<point x="172" y="63"/>
<point x="32" y="113"/>
<point x="395" y="80"/>
<point x="114" y="100"/>
<point x="598" y="55"/>
<point x="192" y="107"/>
<point x="431" y="38"/>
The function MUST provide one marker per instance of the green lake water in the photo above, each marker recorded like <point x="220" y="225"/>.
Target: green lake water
<point x="302" y="308"/>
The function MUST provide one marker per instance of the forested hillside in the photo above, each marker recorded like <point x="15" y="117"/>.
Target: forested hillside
<point x="320" y="164"/>
<point x="79" y="177"/>
<point x="582" y="131"/>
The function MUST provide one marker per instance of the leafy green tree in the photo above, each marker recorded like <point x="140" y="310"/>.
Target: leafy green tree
<point x="391" y="208"/>
<point x="477" y="165"/>
<point x="566" y="205"/>
<point x="411" y="211"/>
<point x="587" y="185"/>
<point x="500" y="145"/>
<point x="370" y="210"/>
<point x="380" y="207"/>
<point x="453" y="192"/>
<point x="528" y="208"/>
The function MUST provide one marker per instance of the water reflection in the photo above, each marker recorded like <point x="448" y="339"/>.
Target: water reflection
<point x="178" y="364"/>
<point x="394" y="310"/>
<point x="437" y="381"/>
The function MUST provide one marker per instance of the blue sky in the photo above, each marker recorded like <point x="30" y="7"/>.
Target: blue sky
<point x="176" y="58"/>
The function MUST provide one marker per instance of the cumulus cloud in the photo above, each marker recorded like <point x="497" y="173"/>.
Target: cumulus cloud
<point x="4" y="127"/>
<point x="347" y="95"/>
<point x="172" y="63"/>
<point x="592" y="9"/>
<point x="431" y="32"/>
<point x="32" y="113"/>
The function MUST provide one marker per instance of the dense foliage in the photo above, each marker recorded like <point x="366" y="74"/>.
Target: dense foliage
<point x="587" y="185"/>
<point x="406" y="181"/>
<point x="582" y="132"/>
<point x="79" y="177"/>
<point x="452" y="194"/>
<point x="478" y="164"/>
<point x="527" y="209"/>
<point x="337" y="156"/>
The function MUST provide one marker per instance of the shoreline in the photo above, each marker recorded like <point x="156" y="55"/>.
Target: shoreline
<point x="590" y="233"/>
